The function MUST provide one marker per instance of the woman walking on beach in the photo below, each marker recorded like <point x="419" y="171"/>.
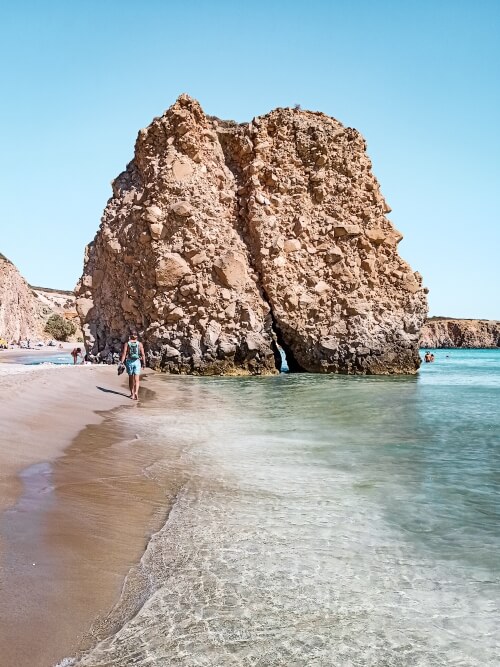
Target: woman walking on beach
<point x="134" y="358"/>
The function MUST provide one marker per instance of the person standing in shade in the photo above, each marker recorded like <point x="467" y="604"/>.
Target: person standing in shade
<point x="134" y="358"/>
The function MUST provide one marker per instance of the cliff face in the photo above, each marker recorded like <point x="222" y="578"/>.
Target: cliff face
<point x="460" y="333"/>
<point x="222" y="239"/>
<point x="58" y="302"/>
<point x="24" y="310"/>
<point x="19" y="311"/>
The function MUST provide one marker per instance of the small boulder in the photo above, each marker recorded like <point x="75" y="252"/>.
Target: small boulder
<point x="170" y="352"/>
<point x="170" y="270"/>
<point x="181" y="171"/>
<point x="347" y="230"/>
<point x="175" y="315"/>
<point x="156" y="230"/>
<point x="83" y="306"/>
<point x="300" y="225"/>
<point x="153" y="213"/>
<point x="333" y="255"/>
<point x="182" y="209"/>
<point x="292" y="245"/>
<point x="376" y="235"/>
<point x="330" y="344"/>
<point x="231" y="270"/>
<point x="212" y="333"/>
<point x="321" y="287"/>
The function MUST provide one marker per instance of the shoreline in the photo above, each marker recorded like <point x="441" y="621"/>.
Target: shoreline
<point x="53" y="403"/>
<point x="126" y="535"/>
<point x="433" y="347"/>
<point x="76" y="509"/>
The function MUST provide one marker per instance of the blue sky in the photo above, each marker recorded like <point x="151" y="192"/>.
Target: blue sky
<point x="420" y="80"/>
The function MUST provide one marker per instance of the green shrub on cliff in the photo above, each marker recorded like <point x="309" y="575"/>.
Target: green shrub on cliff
<point x="59" y="328"/>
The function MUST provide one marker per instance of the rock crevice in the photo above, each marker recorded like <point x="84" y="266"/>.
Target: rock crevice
<point x="223" y="239"/>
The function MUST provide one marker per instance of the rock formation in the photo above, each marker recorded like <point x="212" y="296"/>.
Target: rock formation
<point x="221" y="240"/>
<point x="444" y="332"/>
<point x="24" y="309"/>
<point x="19" y="312"/>
<point x="58" y="302"/>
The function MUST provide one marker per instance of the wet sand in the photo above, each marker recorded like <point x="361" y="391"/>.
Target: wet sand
<point x="77" y="508"/>
<point x="43" y="409"/>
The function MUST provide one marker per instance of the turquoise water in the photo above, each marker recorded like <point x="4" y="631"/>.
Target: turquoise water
<point x="58" y="360"/>
<point x="38" y="357"/>
<point x="322" y="520"/>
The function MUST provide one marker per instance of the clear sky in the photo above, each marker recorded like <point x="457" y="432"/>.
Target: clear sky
<point x="419" y="79"/>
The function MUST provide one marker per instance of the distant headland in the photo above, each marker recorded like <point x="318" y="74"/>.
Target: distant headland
<point x="447" y="332"/>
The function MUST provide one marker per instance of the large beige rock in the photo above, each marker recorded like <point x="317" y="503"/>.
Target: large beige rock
<point x="221" y="239"/>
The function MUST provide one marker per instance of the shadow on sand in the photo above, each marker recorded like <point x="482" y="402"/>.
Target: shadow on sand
<point x="112" y="391"/>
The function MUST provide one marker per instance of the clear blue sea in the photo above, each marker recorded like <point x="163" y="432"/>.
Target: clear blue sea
<point x="38" y="357"/>
<point x="322" y="521"/>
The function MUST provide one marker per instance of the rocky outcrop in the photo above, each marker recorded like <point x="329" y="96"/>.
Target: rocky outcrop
<point x="24" y="309"/>
<point x="445" y="333"/>
<point x="59" y="302"/>
<point x="222" y="240"/>
<point x="19" y="311"/>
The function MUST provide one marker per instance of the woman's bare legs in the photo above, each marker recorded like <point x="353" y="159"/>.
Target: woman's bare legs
<point x="137" y="379"/>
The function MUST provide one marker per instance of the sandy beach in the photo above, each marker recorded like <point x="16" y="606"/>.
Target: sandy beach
<point x="70" y="476"/>
<point x="44" y="407"/>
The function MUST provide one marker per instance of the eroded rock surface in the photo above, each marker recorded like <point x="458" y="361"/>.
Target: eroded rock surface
<point x="222" y="239"/>
<point x="25" y="309"/>
<point x="19" y="309"/>
<point x="444" y="332"/>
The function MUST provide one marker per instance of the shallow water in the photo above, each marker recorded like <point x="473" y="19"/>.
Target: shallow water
<point x="37" y="357"/>
<point x="324" y="520"/>
<point x="59" y="360"/>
